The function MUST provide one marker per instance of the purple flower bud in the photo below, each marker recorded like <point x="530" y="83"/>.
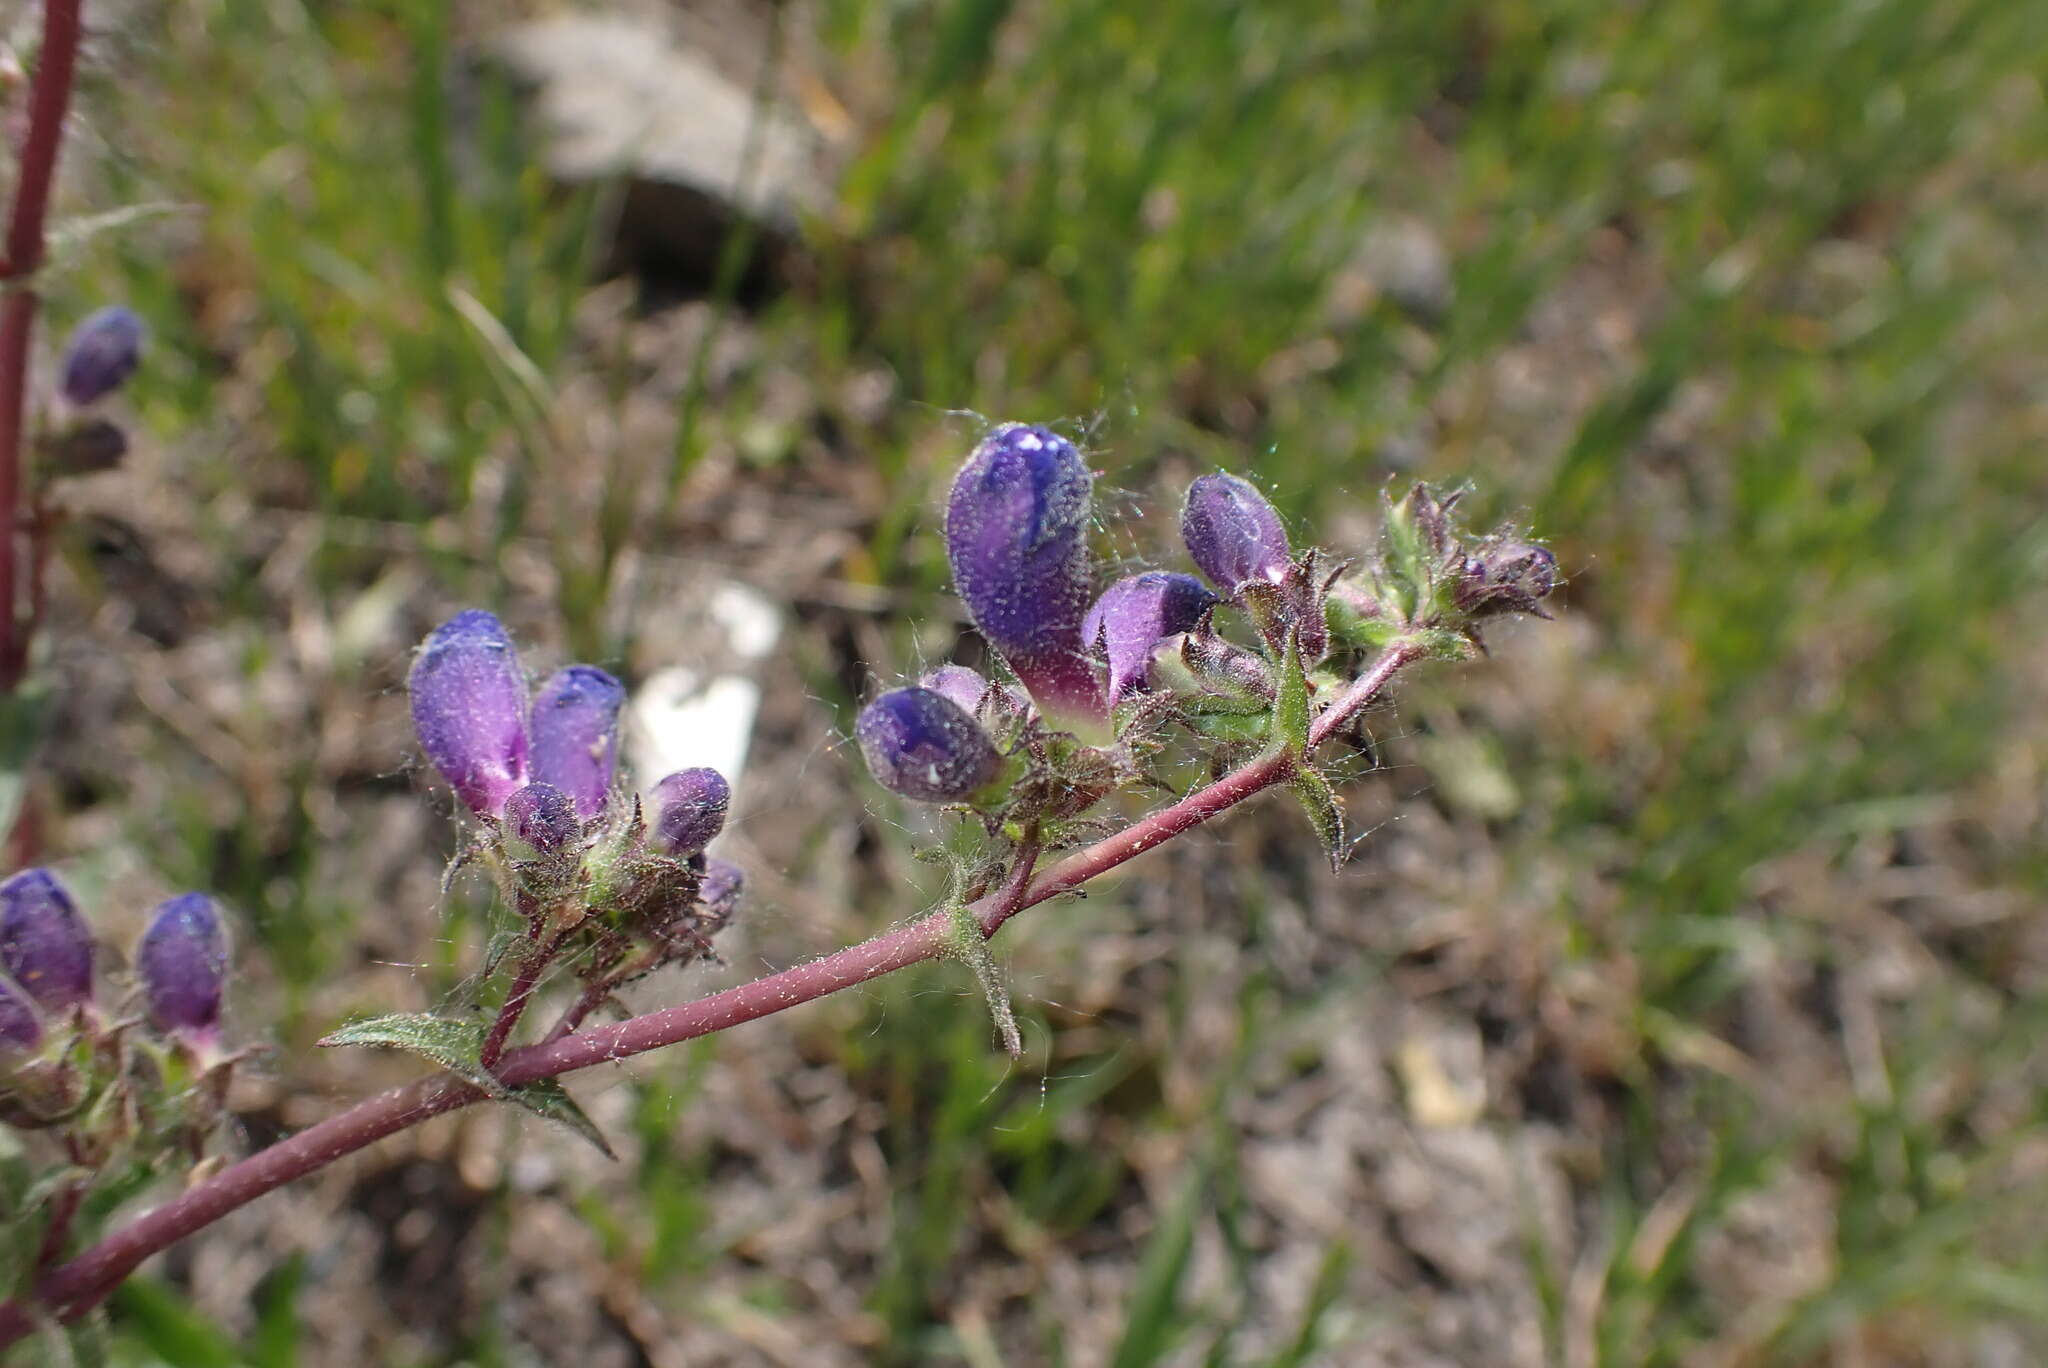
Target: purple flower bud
<point x="542" y="816"/>
<point x="1507" y="577"/>
<point x="44" y="943"/>
<point x="183" y="964"/>
<point x="576" y="734"/>
<point x="689" y="809"/>
<point x="958" y="684"/>
<point x="102" y="353"/>
<point x="720" y="887"/>
<point x="1134" y="615"/>
<point x="469" y="709"/>
<point x="1233" y="533"/>
<point x="923" y="746"/>
<point x="20" y="1029"/>
<point x="1017" y="537"/>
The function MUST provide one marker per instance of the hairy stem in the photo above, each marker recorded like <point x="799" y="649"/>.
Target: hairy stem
<point x="69" y="1291"/>
<point x="516" y="998"/>
<point x="49" y="99"/>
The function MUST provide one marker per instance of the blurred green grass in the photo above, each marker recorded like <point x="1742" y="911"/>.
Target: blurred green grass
<point x="1783" y="425"/>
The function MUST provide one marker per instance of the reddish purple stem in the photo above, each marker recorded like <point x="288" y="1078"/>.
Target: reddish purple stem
<point x="72" y="1289"/>
<point x="49" y="99"/>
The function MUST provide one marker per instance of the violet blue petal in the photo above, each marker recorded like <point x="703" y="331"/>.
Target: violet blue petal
<point x="183" y="964"/>
<point x="1134" y="615"/>
<point x="924" y="746"/>
<point x="102" y="352"/>
<point x="957" y="683"/>
<point x="1017" y="538"/>
<point x="1233" y="533"/>
<point x="44" y="944"/>
<point x="576" y="734"/>
<point x="543" y="816"/>
<point x="469" y="709"/>
<point x="689" y="809"/>
<point x="20" y="1029"/>
<point x="720" y="887"/>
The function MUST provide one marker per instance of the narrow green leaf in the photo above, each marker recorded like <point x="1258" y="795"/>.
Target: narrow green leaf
<point x="454" y="1045"/>
<point x="174" y="1332"/>
<point x="1153" y="1322"/>
<point x="1319" y="801"/>
<point x="548" y="1098"/>
<point x="21" y="720"/>
<point x="1290" y="706"/>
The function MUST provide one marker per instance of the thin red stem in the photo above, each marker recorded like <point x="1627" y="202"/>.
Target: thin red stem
<point x="49" y="102"/>
<point x="521" y="992"/>
<point x="80" y="1284"/>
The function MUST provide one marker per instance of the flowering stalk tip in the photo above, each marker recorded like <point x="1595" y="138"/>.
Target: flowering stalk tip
<point x="44" y="944"/>
<point x="1134" y="615"/>
<point x="102" y="353"/>
<point x="689" y="809"/>
<point x="1017" y="539"/>
<point x="575" y="732"/>
<point x="469" y="709"/>
<point x="925" y="747"/>
<point x="183" y="964"/>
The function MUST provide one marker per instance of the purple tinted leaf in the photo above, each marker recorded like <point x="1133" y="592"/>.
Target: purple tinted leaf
<point x="469" y="709"/>
<point x="1233" y="533"/>
<point x="543" y="816"/>
<point x="689" y="809"/>
<point x="103" y="351"/>
<point x="183" y="964"/>
<point x="1017" y="538"/>
<point x="44" y="943"/>
<point x="924" y="746"/>
<point x="576" y="734"/>
<point x="1134" y="615"/>
<point x="20" y="1029"/>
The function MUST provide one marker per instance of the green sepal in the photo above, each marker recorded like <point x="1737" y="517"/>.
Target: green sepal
<point x="1407" y="555"/>
<point x="1445" y="643"/>
<point x="1289" y="729"/>
<point x="456" y="1046"/>
<point x="1230" y="726"/>
<point x="1319" y="801"/>
<point x="548" y="1098"/>
<point x="1370" y="632"/>
<point x="965" y="943"/>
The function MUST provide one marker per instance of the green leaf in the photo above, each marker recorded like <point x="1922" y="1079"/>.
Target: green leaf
<point x="21" y="722"/>
<point x="548" y="1098"/>
<point x="1154" y="1320"/>
<point x="454" y="1045"/>
<point x="1319" y="801"/>
<point x="173" y="1331"/>
<point x="1290" y="706"/>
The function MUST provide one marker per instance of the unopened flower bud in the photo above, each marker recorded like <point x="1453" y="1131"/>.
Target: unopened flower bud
<point x="720" y="887"/>
<point x="20" y="1028"/>
<point x="44" y="943"/>
<point x="689" y="809"/>
<point x="576" y="734"/>
<point x="469" y="709"/>
<point x="1134" y="615"/>
<point x="542" y="816"/>
<point x="1017" y="538"/>
<point x="962" y="686"/>
<point x="183" y="965"/>
<point x="1233" y="534"/>
<point x="102" y="353"/>
<point x="923" y="746"/>
<point x="1508" y="577"/>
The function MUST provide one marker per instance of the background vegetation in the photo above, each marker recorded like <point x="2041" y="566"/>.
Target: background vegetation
<point x="1679" y="1007"/>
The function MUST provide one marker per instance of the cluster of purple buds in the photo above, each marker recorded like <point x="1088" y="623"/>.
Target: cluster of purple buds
<point x="572" y="851"/>
<point x="103" y="351"/>
<point x="1093" y="667"/>
<point x="110" y="1075"/>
